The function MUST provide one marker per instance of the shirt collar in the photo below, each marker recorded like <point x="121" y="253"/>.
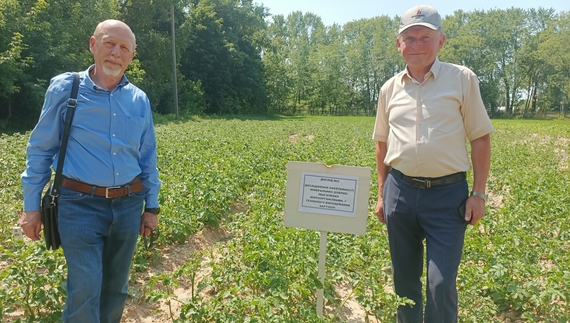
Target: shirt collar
<point x="91" y="85"/>
<point x="435" y="68"/>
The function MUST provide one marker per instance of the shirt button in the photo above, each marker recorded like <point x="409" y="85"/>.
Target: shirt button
<point x="114" y="114"/>
<point x="113" y="135"/>
<point x="114" y="154"/>
<point x="117" y="174"/>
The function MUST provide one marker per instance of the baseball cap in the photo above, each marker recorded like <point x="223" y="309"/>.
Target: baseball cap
<point x="421" y="15"/>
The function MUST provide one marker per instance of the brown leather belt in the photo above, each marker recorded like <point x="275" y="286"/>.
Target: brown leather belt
<point x="428" y="182"/>
<point x="109" y="192"/>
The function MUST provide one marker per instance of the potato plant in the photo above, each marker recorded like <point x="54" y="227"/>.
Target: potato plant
<point x="232" y="172"/>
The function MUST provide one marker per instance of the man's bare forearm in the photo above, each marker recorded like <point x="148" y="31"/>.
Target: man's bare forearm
<point x="481" y="159"/>
<point x="381" y="168"/>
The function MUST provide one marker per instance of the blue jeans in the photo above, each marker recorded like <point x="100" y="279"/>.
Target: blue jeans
<point x="98" y="237"/>
<point x="412" y="216"/>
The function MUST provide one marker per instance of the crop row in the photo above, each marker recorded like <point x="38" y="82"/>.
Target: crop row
<point x="232" y="173"/>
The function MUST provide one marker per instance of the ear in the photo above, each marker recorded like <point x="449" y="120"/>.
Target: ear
<point x="91" y="44"/>
<point x="398" y="44"/>
<point x="441" y="40"/>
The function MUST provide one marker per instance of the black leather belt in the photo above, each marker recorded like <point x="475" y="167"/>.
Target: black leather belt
<point x="109" y="192"/>
<point x="427" y="182"/>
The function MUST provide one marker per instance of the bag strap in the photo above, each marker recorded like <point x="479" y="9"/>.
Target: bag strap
<point x="71" y="104"/>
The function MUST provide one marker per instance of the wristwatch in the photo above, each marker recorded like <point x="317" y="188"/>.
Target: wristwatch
<point x="153" y="210"/>
<point x="481" y="195"/>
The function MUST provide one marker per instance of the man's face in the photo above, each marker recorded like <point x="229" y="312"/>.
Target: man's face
<point x="113" y="48"/>
<point x="419" y="46"/>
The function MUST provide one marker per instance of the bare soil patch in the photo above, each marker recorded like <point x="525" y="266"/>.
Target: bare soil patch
<point x="137" y="310"/>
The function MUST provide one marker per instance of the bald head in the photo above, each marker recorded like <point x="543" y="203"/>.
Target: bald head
<point x="117" y="26"/>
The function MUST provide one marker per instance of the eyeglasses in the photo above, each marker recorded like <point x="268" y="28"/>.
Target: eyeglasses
<point x="150" y="242"/>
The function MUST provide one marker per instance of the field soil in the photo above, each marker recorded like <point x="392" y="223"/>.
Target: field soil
<point x="170" y="258"/>
<point x="137" y="310"/>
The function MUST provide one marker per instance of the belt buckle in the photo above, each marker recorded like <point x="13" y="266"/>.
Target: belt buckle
<point x="421" y="183"/>
<point x="107" y="191"/>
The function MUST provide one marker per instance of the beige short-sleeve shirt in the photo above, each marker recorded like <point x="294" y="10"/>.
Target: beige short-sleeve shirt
<point x="425" y="126"/>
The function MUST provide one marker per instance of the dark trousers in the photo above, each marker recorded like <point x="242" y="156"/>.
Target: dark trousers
<point x="412" y="216"/>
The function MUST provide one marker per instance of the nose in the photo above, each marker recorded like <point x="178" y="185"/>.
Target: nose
<point x="116" y="51"/>
<point x="416" y="43"/>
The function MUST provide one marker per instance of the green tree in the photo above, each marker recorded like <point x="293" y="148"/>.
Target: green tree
<point x="534" y="67"/>
<point x="46" y="38"/>
<point x="466" y="45"/>
<point x="386" y="59"/>
<point x="554" y="49"/>
<point x="488" y="43"/>
<point x="151" y="24"/>
<point x="302" y="45"/>
<point x="244" y="29"/>
<point x="358" y="37"/>
<point x="11" y="62"/>
<point x="275" y="59"/>
<point x="330" y="75"/>
<point x="222" y="51"/>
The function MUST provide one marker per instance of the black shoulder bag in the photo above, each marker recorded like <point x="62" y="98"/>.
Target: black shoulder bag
<point x="49" y="200"/>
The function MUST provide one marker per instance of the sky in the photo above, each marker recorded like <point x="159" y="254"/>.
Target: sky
<point x="343" y="11"/>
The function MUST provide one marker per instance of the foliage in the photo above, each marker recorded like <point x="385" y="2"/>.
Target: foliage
<point x="231" y="172"/>
<point x="519" y="254"/>
<point x="33" y="281"/>
<point x="232" y="59"/>
<point x="338" y="70"/>
<point x="221" y="51"/>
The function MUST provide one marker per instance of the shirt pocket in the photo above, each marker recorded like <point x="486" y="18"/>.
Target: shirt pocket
<point x="133" y="130"/>
<point x="442" y="115"/>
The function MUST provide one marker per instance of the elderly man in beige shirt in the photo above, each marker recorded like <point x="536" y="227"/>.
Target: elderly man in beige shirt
<point x="426" y="113"/>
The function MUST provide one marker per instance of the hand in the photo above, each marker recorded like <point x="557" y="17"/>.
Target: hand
<point x="149" y="221"/>
<point x="474" y="209"/>
<point x="31" y="223"/>
<point x="379" y="210"/>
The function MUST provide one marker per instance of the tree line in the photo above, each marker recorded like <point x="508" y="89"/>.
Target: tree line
<point x="233" y="57"/>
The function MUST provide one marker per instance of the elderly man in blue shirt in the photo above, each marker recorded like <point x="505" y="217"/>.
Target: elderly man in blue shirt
<point x="112" y="144"/>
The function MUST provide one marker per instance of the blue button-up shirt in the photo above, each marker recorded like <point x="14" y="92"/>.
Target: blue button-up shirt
<point x="112" y="139"/>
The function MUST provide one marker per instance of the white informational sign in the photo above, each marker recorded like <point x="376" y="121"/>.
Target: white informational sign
<point x="328" y="194"/>
<point x="327" y="198"/>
